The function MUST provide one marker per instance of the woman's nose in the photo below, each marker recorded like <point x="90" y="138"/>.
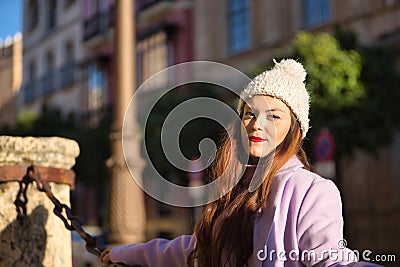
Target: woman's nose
<point x="256" y="124"/>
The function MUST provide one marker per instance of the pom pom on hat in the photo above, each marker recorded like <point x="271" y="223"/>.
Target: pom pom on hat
<point x="293" y="68"/>
<point x="286" y="82"/>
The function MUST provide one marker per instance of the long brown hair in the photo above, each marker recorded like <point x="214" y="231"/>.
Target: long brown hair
<point x="230" y="240"/>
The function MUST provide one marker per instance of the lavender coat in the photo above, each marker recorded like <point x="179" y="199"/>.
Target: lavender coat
<point x="302" y="225"/>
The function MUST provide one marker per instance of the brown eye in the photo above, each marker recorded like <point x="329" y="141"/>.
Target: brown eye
<point x="249" y="114"/>
<point x="273" y="117"/>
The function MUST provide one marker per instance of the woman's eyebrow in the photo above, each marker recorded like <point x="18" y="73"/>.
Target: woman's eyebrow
<point x="274" y="109"/>
<point x="267" y="110"/>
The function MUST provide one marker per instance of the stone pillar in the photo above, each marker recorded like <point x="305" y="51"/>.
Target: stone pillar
<point x="40" y="238"/>
<point x="126" y="208"/>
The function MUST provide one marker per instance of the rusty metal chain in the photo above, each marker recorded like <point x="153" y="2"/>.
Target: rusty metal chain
<point x="22" y="199"/>
<point x="71" y="222"/>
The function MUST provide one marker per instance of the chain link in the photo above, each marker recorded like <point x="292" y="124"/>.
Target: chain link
<point x="22" y="199"/>
<point x="71" y="222"/>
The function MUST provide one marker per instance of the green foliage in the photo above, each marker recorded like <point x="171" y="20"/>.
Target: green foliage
<point x="93" y="141"/>
<point x="26" y="119"/>
<point x="353" y="89"/>
<point x="333" y="73"/>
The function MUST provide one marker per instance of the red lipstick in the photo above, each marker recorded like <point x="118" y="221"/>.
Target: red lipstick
<point x="256" y="139"/>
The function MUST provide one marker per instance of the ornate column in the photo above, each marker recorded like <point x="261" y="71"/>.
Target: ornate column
<point x="39" y="238"/>
<point x="126" y="209"/>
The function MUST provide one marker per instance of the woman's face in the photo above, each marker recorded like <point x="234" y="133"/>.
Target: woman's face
<point x="267" y="121"/>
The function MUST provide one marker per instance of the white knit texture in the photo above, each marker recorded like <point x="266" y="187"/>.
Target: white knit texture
<point x="286" y="82"/>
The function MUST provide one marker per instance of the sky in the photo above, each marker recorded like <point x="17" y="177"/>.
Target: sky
<point x="10" y="17"/>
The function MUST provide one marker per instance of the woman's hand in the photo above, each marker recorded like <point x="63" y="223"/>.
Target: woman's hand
<point x="105" y="256"/>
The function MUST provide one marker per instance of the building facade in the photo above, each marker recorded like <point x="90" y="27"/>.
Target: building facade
<point x="163" y="38"/>
<point x="163" y="34"/>
<point x="247" y="34"/>
<point x="10" y="78"/>
<point x="51" y="56"/>
<point x="68" y="63"/>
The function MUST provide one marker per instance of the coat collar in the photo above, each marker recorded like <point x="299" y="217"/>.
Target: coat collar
<point x="262" y="226"/>
<point x="290" y="165"/>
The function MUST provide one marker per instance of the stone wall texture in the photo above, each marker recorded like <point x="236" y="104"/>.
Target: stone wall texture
<point x="40" y="238"/>
<point x="45" y="151"/>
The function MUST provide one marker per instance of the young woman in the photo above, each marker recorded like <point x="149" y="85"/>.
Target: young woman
<point x="279" y="213"/>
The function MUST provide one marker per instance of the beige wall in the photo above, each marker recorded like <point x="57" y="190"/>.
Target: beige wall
<point x="370" y="191"/>
<point x="10" y="78"/>
<point x="275" y="23"/>
<point x="370" y="19"/>
<point x="370" y="186"/>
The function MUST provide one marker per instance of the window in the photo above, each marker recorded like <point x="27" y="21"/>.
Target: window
<point x="30" y="86"/>
<point x="97" y="84"/>
<point x="33" y="15"/>
<point x="67" y="70"/>
<point x="48" y="81"/>
<point x="51" y="14"/>
<point x="239" y="25"/>
<point x="49" y="62"/>
<point x="152" y="57"/>
<point x="316" y="12"/>
<point x="32" y="71"/>
<point x="69" y="52"/>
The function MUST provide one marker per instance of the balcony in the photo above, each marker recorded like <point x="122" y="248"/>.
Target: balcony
<point x="144" y="4"/>
<point x="99" y="24"/>
<point x="30" y="91"/>
<point x="67" y="75"/>
<point x="50" y="82"/>
<point x="152" y="11"/>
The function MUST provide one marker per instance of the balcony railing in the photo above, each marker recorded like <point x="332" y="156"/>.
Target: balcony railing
<point x="49" y="83"/>
<point x="67" y="76"/>
<point x="30" y="91"/>
<point x="99" y="23"/>
<point x="144" y="4"/>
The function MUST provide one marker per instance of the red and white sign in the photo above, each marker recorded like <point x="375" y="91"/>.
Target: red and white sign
<point x="324" y="146"/>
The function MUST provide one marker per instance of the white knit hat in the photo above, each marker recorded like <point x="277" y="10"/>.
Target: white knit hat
<point x="286" y="82"/>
